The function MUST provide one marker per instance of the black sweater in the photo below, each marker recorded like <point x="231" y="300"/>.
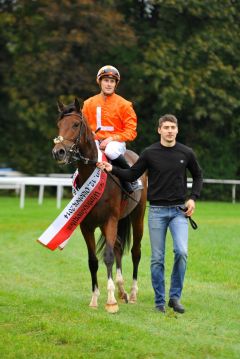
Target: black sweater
<point x="167" y="173"/>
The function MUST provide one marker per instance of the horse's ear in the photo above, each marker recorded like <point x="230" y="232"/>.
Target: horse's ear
<point x="77" y="104"/>
<point x="60" y="106"/>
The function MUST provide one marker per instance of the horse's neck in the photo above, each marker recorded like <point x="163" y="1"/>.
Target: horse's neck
<point x="91" y="150"/>
<point x="85" y="170"/>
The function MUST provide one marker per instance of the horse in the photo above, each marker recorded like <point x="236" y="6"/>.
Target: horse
<point x="115" y="214"/>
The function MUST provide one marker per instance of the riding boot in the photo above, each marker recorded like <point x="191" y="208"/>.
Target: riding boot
<point x="122" y="163"/>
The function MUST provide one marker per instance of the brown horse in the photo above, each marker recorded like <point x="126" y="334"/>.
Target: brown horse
<point x="76" y="142"/>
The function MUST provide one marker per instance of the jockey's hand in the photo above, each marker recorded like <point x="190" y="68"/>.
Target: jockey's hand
<point x="104" y="166"/>
<point x="190" y="205"/>
<point x="105" y="142"/>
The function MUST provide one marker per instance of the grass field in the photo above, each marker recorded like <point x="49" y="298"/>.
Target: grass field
<point x="45" y="295"/>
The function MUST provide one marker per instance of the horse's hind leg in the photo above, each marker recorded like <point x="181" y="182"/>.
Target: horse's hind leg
<point x="136" y="256"/>
<point x="137" y="226"/>
<point x="122" y="294"/>
<point x="92" y="264"/>
<point x="109" y="231"/>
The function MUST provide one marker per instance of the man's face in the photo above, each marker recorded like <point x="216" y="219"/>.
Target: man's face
<point x="108" y="85"/>
<point x="168" y="132"/>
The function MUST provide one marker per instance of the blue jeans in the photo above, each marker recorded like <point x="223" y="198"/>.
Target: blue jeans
<point x="159" y="219"/>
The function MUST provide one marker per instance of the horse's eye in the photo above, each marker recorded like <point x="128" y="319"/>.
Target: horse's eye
<point x="76" y="125"/>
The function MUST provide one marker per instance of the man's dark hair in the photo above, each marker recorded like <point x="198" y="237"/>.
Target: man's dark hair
<point x="167" y="117"/>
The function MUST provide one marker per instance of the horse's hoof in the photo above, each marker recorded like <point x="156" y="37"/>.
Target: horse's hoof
<point x="123" y="297"/>
<point x="132" y="300"/>
<point x="93" y="306"/>
<point x="112" y="308"/>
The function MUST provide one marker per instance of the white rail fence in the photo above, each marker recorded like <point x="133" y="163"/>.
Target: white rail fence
<point x="19" y="184"/>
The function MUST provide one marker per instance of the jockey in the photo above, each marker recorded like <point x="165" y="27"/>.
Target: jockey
<point x="112" y="117"/>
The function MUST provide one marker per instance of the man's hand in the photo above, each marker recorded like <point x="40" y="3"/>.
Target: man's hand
<point x="104" y="143"/>
<point x="190" y="205"/>
<point x="104" y="166"/>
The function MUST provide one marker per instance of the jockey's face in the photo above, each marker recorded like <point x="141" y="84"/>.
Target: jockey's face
<point x="168" y="132"/>
<point x="108" y="85"/>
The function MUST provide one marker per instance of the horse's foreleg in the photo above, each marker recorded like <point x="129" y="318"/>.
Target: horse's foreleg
<point x="111" y="306"/>
<point x="92" y="263"/>
<point x="93" y="266"/>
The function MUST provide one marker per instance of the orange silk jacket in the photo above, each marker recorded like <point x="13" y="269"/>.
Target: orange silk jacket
<point x="113" y="114"/>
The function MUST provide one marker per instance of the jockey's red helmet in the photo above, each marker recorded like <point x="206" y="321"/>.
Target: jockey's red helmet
<point x="108" y="71"/>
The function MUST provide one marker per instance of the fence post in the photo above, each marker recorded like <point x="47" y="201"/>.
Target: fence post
<point x="233" y="193"/>
<point x="22" y="195"/>
<point x="59" y="195"/>
<point x="40" y="194"/>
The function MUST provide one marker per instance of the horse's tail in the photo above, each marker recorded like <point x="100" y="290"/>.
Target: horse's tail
<point x="124" y="233"/>
<point x="123" y="236"/>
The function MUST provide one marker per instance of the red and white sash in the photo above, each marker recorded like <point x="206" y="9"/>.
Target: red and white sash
<point x="59" y="232"/>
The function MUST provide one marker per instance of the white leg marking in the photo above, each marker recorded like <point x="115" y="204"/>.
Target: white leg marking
<point x="111" y="305"/>
<point x="94" y="300"/>
<point x="134" y="291"/>
<point x="119" y="277"/>
<point x="120" y="283"/>
<point x="111" y="289"/>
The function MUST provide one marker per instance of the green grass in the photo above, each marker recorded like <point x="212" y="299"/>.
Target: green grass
<point x="45" y="295"/>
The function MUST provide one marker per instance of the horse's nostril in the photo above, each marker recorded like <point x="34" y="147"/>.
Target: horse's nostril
<point x="61" y="152"/>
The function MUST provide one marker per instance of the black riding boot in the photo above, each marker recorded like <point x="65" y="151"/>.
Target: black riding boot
<point x="122" y="162"/>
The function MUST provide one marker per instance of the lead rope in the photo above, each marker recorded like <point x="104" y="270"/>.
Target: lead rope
<point x="192" y="222"/>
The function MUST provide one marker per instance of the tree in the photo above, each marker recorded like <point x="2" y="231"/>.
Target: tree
<point x="190" y="67"/>
<point x="55" y="49"/>
<point x="174" y="56"/>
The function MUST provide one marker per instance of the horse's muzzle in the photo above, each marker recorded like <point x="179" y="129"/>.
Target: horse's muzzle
<point x="59" y="154"/>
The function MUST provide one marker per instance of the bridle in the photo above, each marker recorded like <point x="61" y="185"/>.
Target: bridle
<point x="75" y="154"/>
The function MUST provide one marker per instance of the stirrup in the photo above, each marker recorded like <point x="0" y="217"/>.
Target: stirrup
<point x="137" y="184"/>
<point x="131" y="187"/>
